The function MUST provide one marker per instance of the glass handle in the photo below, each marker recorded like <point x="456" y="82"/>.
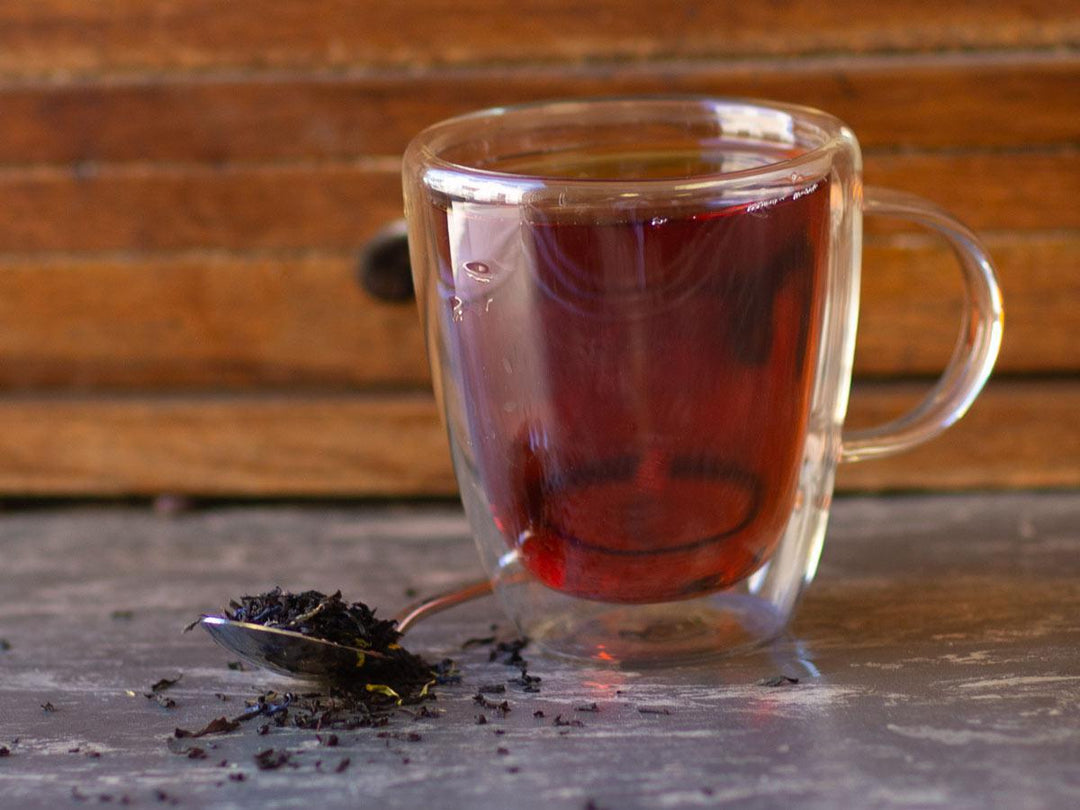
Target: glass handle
<point x="975" y="351"/>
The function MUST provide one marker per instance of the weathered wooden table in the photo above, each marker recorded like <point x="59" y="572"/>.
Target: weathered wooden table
<point x="937" y="658"/>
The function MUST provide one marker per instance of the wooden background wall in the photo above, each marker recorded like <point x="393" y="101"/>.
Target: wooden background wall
<point x="185" y="186"/>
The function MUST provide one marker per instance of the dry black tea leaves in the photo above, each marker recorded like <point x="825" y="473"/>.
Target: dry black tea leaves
<point x="5" y="645"/>
<point x="778" y="680"/>
<point x="271" y="760"/>
<point x="220" y="725"/>
<point x="653" y="710"/>
<point x="527" y="682"/>
<point x="509" y="652"/>
<point x="591" y="707"/>
<point x="48" y="707"/>
<point x="384" y="667"/>
<point x="5" y="751"/>
<point x="165" y="683"/>
<point x="502" y="707"/>
<point x="560" y="722"/>
<point x="315" y="614"/>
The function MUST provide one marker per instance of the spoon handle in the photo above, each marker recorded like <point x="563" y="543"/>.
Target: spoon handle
<point x="440" y="602"/>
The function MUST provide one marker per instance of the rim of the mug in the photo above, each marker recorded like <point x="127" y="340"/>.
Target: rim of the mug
<point x="834" y="132"/>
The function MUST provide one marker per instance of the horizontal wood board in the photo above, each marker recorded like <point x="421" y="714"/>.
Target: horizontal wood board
<point x="340" y="204"/>
<point x="982" y="100"/>
<point x="63" y="37"/>
<point x="1020" y="434"/>
<point x="187" y="321"/>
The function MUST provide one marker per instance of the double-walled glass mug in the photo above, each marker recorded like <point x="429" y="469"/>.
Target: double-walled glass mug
<point x="640" y="315"/>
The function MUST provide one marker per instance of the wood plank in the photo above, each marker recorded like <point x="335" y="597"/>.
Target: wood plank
<point x="981" y="100"/>
<point x="911" y="304"/>
<point x="205" y="320"/>
<point x="191" y="321"/>
<point x="337" y="205"/>
<point x="1020" y="434"/>
<point x="47" y="37"/>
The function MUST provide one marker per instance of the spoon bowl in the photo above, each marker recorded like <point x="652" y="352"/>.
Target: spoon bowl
<point x="288" y="652"/>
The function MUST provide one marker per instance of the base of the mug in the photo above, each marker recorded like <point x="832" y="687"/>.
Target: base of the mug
<point x="641" y="636"/>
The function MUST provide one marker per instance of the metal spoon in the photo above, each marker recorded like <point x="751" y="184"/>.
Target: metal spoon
<point x="287" y="652"/>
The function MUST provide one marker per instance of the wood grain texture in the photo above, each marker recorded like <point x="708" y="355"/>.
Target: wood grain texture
<point x="1020" y="434"/>
<point x="912" y="299"/>
<point x="224" y="321"/>
<point x="207" y="320"/>
<point x="338" y="205"/>
<point x="50" y="37"/>
<point x="937" y="101"/>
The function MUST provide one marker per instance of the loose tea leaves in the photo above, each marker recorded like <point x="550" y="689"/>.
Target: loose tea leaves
<point x="382" y="666"/>
<point x="271" y="760"/>
<point x="778" y="680"/>
<point x="221" y="725"/>
<point x="317" y="615"/>
<point x="164" y="683"/>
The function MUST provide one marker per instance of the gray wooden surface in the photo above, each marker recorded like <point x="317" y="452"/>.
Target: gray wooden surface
<point x="938" y="658"/>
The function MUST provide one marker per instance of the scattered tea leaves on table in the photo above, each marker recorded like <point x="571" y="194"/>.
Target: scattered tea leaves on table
<point x="558" y="721"/>
<point x="591" y="707"/>
<point x="271" y="760"/>
<point x="164" y="701"/>
<point x="122" y="615"/>
<point x="527" y="682"/>
<point x="220" y="725"/>
<point x="5" y="645"/>
<point x="653" y="710"/>
<point x="5" y="751"/>
<point x="509" y="652"/>
<point x="165" y="683"/>
<point x="502" y="707"/>
<point x="48" y="707"/>
<point x="778" y="680"/>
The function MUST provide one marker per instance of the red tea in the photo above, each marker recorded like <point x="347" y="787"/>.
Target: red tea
<point x="635" y="388"/>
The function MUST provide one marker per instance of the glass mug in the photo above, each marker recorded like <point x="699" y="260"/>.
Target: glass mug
<point x="640" y="316"/>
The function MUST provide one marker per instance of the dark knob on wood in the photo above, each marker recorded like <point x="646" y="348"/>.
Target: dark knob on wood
<point x="383" y="267"/>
